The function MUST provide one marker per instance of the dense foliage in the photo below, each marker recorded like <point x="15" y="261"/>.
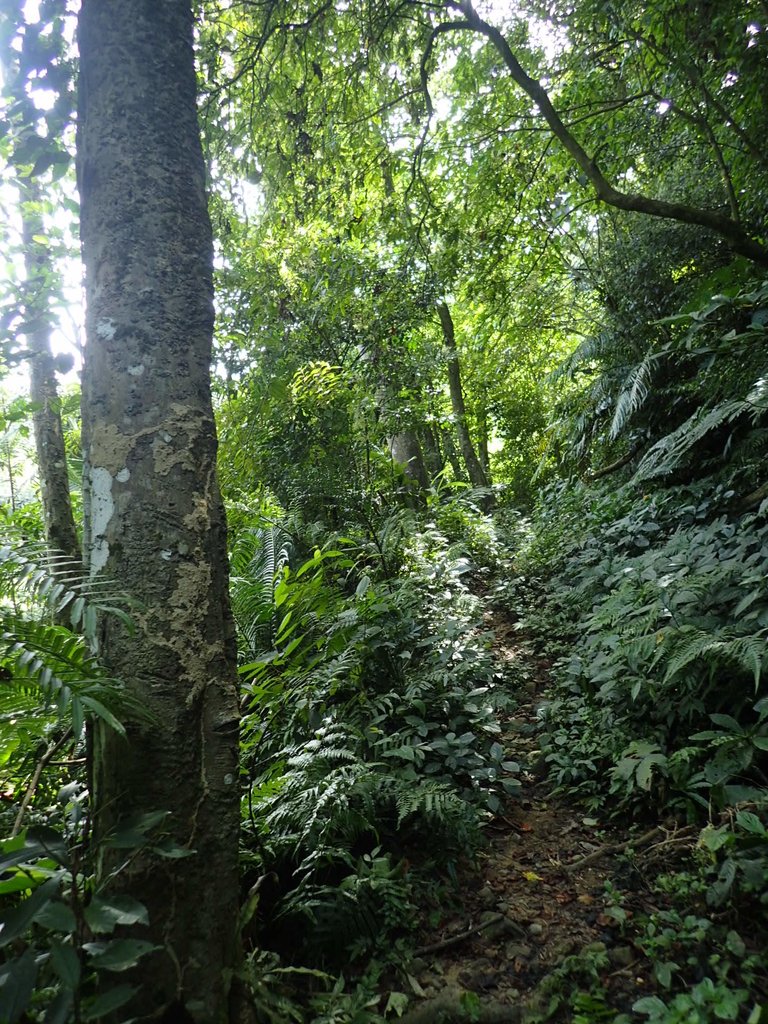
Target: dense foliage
<point x="492" y="325"/>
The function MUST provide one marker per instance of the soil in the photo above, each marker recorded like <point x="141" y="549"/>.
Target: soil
<point x="537" y="923"/>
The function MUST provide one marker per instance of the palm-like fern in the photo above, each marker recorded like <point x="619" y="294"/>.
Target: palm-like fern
<point x="47" y="673"/>
<point x="667" y="453"/>
<point x="634" y="393"/>
<point x="688" y="644"/>
<point x="51" y="676"/>
<point x="257" y="558"/>
<point x="50" y="584"/>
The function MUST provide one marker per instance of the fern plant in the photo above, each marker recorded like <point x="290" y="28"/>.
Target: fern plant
<point x="50" y="683"/>
<point x="334" y="827"/>
<point x="257" y="559"/>
<point x="670" y="623"/>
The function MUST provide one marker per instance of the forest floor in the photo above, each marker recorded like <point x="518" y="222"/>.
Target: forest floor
<point x="543" y="931"/>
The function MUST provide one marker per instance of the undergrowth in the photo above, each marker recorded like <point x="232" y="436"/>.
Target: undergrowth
<point x="371" y="727"/>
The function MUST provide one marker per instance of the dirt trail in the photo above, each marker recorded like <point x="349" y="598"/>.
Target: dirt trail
<point x="544" y="927"/>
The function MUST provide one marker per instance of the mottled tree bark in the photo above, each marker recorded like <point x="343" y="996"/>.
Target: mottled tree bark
<point x="477" y="476"/>
<point x="60" y="531"/>
<point x="154" y="518"/>
<point x="406" y="450"/>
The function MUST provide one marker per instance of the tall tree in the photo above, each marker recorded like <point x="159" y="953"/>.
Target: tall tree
<point x="154" y="517"/>
<point x="36" y="55"/>
<point x="60" y="530"/>
<point x="474" y="467"/>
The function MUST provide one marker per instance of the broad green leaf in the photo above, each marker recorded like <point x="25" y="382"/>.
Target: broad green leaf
<point x="107" y="1002"/>
<point x="751" y="823"/>
<point x="59" y="1010"/>
<point x="102" y="915"/>
<point x="17" y="983"/>
<point x="33" y="844"/>
<point x="15" y="922"/>
<point x="118" y="954"/>
<point x="66" y="963"/>
<point x="57" y="917"/>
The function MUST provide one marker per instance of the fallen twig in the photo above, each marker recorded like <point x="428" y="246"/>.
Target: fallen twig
<point x="612" y="848"/>
<point x="455" y="940"/>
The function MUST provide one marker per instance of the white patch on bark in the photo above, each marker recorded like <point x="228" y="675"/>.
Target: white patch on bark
<point x="102" y="510"/>
<point x="106" y="329"/>
<point x="137" y="370"/>
<point x="123" y="475"/>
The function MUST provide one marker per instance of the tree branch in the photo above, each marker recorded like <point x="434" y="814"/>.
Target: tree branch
<point x="752" y="500"/>
<point x="731" y="231"/>
<point x="597" y="474"/>
<point x="47" y="757"/>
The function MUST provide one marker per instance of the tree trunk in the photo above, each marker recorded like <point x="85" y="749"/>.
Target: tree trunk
<point x="476" y="475"/>
<point x="451" y="454"/>
<point x="483" y="440"/>
<point x="433" y="457"/>
<point x="406" y="450"/>
<point x="154" y="520"/>
<point x="60" y="531"/>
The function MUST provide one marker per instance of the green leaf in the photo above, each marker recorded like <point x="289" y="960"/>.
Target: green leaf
<point x="17" y="983"/>
<point x="59" y="1010"/>
<point x="66" y="963"/>
<point x="735" y="944"/>
<point x="651" y="1005"/>
<point x="118" y="954"/>
<point x="727" y="722"/>
<point x="107" y="1002"/>
<point x="397" y="1003"/>
<point x="78" y="718"/>
<point x="98" y="709"/>
<point x="751" y="823"/>
<point x="103" y="915"/>
<point x="32" y="845"/>
<point x="57" y="917"/>
<point x="16" y="921"/>
<point x="645" y="768"/>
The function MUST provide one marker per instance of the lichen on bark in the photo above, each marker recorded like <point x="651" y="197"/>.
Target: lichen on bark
<point x="154" y="517"/>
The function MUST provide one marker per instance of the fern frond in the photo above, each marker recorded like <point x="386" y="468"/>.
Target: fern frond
<point x="55" y="665"/>
<point x="21" y="719"/>
<point x="59" y="585"/>
<point x="667" y="453"/>
<point x="690" y="644"/>
<point x="634" y="394"/>
<point x="432" y="800"/>
<point x="258" y="557"/>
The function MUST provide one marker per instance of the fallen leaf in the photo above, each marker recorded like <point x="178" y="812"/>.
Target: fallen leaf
<point x="531" y="876"/>
<point x="415" y="986"/>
